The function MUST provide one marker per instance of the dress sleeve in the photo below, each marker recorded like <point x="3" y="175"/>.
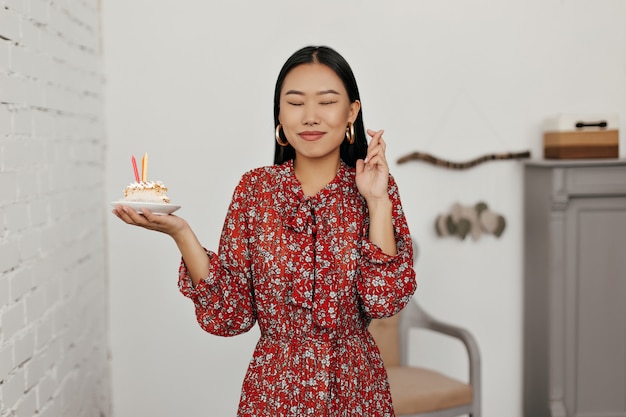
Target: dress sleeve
<point x="224" y="300"/>
<point x="386" y="283"/>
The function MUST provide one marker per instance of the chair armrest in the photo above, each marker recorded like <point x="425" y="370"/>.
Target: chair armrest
<point x="413" y="316"/>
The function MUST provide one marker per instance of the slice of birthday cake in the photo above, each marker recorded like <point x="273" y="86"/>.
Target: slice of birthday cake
<point x="146" y="192"/>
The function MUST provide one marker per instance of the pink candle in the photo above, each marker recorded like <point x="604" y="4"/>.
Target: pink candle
<point x="135" y="169"/>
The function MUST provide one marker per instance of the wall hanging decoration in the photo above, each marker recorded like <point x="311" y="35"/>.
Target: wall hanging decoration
<point x="464" y="114"/>
<point x="422" y="156"/>
<point x="474" y="220"/>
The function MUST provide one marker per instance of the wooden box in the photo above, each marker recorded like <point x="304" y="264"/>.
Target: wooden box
<point x="581" y="137"/>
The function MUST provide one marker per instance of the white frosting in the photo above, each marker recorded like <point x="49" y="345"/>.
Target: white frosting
<point x="146" y="185"/>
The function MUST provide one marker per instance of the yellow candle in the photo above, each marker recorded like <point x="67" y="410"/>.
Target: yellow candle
<point x="144" y="168"/>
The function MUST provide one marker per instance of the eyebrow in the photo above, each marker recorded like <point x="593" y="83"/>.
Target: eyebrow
<point x="319" y="93"/>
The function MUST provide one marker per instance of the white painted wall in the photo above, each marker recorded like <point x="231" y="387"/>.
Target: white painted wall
<point x="54" y="350"/>
<point x="191" y="83"/>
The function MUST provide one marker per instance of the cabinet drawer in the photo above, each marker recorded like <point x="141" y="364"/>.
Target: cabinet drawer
<point x="595" y="180"/>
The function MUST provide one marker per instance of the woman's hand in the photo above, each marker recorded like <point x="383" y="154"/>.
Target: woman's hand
<point x="372" y="174"/>
<point x="168" y="224"/>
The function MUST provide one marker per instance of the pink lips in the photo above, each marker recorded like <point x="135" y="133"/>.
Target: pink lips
<point x="311" y="135"/>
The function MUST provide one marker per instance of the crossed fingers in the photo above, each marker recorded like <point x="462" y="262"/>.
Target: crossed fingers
<point x="376" y="150"/>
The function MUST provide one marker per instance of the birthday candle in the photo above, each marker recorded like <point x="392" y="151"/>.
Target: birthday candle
<point x="135" y="169"/>
<point x="144" y="168"/>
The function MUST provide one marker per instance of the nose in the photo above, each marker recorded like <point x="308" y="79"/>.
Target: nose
<point x="310" y="116"/>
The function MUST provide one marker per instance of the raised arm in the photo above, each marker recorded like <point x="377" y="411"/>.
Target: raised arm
<point x="372" y="179"/>
<point x="387" y="280"/>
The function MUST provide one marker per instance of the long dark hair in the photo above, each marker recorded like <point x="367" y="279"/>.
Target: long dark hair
<point x="333" y="60"/>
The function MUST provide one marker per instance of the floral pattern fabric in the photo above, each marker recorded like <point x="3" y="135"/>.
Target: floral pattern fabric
<point x="303" y="268"/>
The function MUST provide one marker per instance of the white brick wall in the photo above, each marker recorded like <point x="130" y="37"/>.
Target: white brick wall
<point x="53" y="281"/>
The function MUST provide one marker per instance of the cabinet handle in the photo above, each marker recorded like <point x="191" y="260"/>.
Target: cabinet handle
<point x="601" y="124"/>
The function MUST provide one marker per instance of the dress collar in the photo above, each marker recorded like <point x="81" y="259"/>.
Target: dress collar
<point x="342" y="177"/>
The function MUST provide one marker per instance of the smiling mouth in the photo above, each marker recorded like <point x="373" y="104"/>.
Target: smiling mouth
<point x="311" y="135"/>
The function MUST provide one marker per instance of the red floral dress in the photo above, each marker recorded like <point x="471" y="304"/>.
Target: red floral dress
<point x="304" y="269"/>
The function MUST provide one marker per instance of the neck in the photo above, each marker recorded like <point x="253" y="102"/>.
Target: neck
<point x="315" y="174"/>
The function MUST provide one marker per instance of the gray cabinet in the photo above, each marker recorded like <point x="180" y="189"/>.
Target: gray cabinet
<point x="575" y="289"/>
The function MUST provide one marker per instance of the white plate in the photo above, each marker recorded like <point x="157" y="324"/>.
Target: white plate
<point x="156" y="208"/>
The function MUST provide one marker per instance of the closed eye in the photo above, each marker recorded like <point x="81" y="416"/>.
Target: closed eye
<point x="325" y="103"/>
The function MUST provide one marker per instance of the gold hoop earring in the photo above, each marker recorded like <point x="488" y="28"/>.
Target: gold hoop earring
<point x="278" y="138"/>
<point x="350" y="133"/>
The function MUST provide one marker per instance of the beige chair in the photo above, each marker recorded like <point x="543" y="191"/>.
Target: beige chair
<point x="422" y="392"/>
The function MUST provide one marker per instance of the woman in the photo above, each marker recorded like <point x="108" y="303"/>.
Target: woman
<point x="313" y="247"/>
